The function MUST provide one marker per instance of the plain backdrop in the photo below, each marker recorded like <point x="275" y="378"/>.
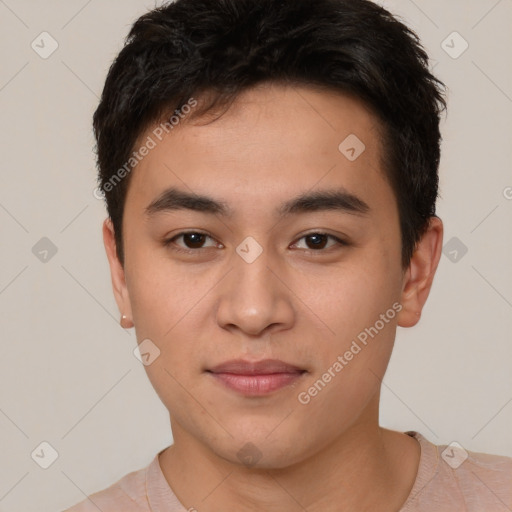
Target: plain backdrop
<point x="68" y="374"/>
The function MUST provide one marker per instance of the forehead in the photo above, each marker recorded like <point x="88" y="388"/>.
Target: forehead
<point x="274" y="142"/>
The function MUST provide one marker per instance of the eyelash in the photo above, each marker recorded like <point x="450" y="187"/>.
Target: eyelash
<point x="169" y="242"/>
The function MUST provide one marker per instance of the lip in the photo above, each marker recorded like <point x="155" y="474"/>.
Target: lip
<point x="256" y="378"/>
<point x="263" y="367"/>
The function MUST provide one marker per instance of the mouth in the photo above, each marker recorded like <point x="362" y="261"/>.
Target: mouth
<point x="256" y="378"/>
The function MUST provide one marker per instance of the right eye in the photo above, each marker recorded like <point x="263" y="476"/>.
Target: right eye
<point x="192" y="240"/>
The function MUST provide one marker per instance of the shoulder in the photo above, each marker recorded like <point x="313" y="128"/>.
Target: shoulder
<point x="484" y="480"/>
<point x="457" y="479"/>
<point x="127" y="494"/>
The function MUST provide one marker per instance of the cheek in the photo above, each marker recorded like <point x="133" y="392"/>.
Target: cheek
<point x="160" y="295"/>
<point x="163" y="301"/>
<point x="344" y="301"/>
<point x="351" y="364"/>
<point x="170" y="307"/>
<point x="354" y="307"/>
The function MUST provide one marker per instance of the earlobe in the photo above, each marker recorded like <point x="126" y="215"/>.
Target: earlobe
<point x="419" y="276"/>
<point x="126" y="322"/>
<point x="117" y="274"/>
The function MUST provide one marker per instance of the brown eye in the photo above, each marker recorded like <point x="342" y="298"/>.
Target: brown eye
<point x="319" y="241"/>
<point x="192" y="241"/>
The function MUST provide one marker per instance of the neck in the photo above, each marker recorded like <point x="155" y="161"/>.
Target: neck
<point x="365" y="468"/>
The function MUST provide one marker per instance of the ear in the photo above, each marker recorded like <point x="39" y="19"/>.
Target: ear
<point x="419" y="276"/>
<point x="117" y="274"/>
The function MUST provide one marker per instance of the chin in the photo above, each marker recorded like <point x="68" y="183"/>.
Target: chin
<point x="260" y="452"/>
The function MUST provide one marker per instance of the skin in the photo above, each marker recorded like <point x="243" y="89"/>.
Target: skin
<point x="296" y="303"/>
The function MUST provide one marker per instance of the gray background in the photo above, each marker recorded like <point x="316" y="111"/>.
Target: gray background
<point x="68" y="373"/>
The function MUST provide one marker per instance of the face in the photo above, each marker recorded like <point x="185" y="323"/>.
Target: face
<point x="257" y="271"/>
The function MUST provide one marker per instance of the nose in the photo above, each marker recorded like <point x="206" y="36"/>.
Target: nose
<point x="254" y="299"/>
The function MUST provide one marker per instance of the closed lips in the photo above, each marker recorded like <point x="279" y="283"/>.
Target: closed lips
<point x="264" y="367"/>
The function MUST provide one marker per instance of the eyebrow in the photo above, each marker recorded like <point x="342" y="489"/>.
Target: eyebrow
<point x="174" y="199"/>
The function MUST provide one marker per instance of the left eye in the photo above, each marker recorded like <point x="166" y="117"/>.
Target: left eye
<point x="318" y="241"/>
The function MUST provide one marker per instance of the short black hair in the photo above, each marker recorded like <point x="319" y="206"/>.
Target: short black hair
<point x="217" y="49"/>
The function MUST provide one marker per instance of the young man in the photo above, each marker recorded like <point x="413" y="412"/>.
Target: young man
<point x="270" y="173"/>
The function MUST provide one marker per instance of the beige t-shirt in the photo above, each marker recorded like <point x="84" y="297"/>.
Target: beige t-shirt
<point x="447" y="481"/>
